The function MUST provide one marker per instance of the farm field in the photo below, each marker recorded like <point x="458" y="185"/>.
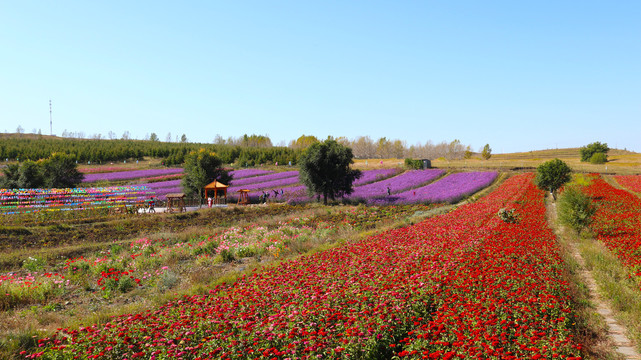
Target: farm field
<point x="619" y="162"/>
<point x="398" y="293"/>
<point x="293" y="279"/>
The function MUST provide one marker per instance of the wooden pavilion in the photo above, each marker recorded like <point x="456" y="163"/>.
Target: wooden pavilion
<point x="216" y="187"/>
<point x="243" y="197"/>
<point x="176" y="202"/>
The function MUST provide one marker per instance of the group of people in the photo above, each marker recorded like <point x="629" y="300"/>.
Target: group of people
<point x="262" y="199"/>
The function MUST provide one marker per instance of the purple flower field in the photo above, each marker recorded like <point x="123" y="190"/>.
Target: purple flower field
<point x="263" y="178"/>
<point x="404" y="181"/>
<point x="245" y="173"/>
<point x="133" y="174"/>
<point x="450" y="189"/>
<point x="408" y="187"/>
<point x="278" y="183"/>
<point x="374" y="175"/>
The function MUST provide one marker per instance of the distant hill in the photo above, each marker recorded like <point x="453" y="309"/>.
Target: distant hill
<point x="552" y="154"/>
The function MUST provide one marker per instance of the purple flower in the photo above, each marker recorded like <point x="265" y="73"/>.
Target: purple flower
<point x="404" y="181"/>
<point x="264" y="178"/>
<point x="126" y="175"/>
<point x="245" y="173"/>
<point x="374" y="175"/>
<point x="451" y="189"/>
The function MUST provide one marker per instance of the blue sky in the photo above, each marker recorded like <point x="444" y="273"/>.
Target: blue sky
<point x="518" y="75"/>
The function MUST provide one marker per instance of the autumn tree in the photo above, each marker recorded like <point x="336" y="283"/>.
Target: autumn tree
<point x="486" y="153"/>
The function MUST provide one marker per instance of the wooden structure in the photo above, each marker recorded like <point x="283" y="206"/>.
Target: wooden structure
<point x="243" y="197"/>
<point x="216" y="186"/>
<point x="176" y="202"/>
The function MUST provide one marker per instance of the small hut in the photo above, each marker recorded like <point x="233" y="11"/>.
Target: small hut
<point x="176" y="202"/>
<point x="243" y="196"/>
<point x="216" y="186"/>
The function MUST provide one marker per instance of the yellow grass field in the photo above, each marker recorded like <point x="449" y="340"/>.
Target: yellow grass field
<point x="619" y="162"/>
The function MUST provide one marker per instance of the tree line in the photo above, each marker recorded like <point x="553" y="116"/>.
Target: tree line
<point x="17" y="148"/>
<point x="247" y="150"/>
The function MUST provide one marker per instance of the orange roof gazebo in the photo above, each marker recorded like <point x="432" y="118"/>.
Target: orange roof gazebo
<point x="215" y="186"/>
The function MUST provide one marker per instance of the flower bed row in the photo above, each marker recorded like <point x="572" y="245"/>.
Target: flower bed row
<point x="449" y="189"/>
<point x="407" y="180"/>
<point x="34" y="200"/>
<point x="263" y="178"/>
<point x="632" y="182"/>
<point x="617" y="222"/>
<point x="133" y="174"/>
<point x="464" y="284"/>
<point x="245" y="173"/>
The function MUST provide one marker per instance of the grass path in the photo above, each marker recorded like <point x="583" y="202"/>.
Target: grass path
<point x="615" y="333"/>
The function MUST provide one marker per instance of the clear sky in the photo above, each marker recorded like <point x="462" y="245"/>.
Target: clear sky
<point x="518" y="75"/>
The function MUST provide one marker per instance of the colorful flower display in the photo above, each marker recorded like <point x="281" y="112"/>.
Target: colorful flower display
<point x="461" y="285"/>
<point x="26" y="200"/>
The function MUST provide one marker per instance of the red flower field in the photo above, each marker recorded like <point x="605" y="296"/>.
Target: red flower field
<point x="632" y="182"/>
<point x="461" y="285"/>
<point x="617" y="222"/>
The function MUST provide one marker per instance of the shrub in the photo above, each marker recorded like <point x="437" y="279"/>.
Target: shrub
<point x="598" y="158"/>
<point x="126" y="284"/>
<point x="591" y="149"/>
<point x="575" y="209"/>
<point x="508" y="216"/>
<point x="244" y="252"/>
<point x="227" y="256"/>
<point x="413" y="164"/>
<point x="33" y="264"/>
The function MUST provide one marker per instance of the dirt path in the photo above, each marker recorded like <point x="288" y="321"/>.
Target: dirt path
<point x="616" y="331"/>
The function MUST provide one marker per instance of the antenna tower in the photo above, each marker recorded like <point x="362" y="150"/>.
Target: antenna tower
<point x="50" y="120"/>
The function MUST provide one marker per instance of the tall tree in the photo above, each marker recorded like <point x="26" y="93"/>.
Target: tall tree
<point x="325" y="170"/>
<point x="486" y="153"/>
<point x="153" y="137"/>
<point x="201" y="168"/>
<point x="551" y="175"/>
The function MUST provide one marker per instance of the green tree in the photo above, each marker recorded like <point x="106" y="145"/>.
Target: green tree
<point x="486" y="153"/>
<point x="551" y="175"/>
<point x="153" y="137"/>
<point x="61" y="171"/>
<point x="11" y="176"/>
<point x="598" y="158"/>
<point x="30" y="175"/>
<point x="201" y="168"/>
<point x="590" y="149"/>
<point x="325" y="170"/>
<point x="575" y="209"/>
<point x="183" y="138"/>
